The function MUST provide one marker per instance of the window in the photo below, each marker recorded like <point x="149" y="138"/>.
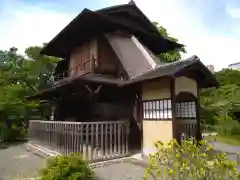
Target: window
<point x="157" y="109"/>
<point x="186" y="110"/>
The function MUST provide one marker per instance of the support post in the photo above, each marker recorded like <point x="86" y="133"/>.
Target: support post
<point x="172" y="86"/>
<point x="53" y="108"/>
<point x="199" y="134"/>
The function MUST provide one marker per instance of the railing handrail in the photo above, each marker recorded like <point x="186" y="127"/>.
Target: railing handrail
<point x="81" y="66"/>
<point x="67" y="72"/>
<point x="87" y="123"/>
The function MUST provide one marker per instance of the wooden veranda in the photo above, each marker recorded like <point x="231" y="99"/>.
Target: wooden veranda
<point x="95" y="141"/>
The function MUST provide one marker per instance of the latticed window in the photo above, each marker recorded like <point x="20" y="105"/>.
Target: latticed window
<point x="186" y="110"/>
<point x="157" y="109"/>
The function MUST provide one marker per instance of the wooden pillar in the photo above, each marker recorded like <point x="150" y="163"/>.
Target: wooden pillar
<point x="175" y="128"/>
<point x="198" y="117"/>
<point x="52" y="111"/>
<point x="140" y="116"/>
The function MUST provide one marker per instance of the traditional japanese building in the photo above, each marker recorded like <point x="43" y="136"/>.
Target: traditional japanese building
<point x="111" y="93"/>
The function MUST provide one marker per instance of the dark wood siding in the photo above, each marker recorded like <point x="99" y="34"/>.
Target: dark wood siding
<point x="107" y="61"/>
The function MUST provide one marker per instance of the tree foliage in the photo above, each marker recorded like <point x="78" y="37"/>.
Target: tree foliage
<point x="21" y="76"/>
<point x="189" y="161"/>
<point x="225" y="100"/>
<point x="170" y="56"/>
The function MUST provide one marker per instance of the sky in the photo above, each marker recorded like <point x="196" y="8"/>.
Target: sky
<point x="209" y="28"/>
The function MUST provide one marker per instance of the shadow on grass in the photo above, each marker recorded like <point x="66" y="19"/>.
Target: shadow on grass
<point x="8" y="144"/>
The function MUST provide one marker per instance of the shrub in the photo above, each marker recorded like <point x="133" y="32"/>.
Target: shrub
<point x="13" y="132"/>
<point x="230" y="127"/>
<point x="190" y="161"/>
<point x="70" y="167"/>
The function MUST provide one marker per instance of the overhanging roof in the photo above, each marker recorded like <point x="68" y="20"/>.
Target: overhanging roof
<point x="201" y="73"/>
<point x="89" y="24"/>
<point x="75" y="81"/>
<point x="193" y="64"/>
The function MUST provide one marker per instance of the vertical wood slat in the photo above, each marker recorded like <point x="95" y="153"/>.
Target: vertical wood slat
<point x="68" y="139"/>
<point x="77" y="138"/>
<point x="54" y="136"/>
<point x="106" y="140"/>
<point x="71" y="137"/>
<point x="97" y="142"/>
<point x="115" y="138"/>
<point x="92" y="141"/>
<point x="126" y="135"/>
<point x="81" y="138"/>
<point x="87" y="142"/>
<point x="123" y="138"/>
<point x="74" y="138"/>
<point x="119" y="138"/>
<point x="65" y="139"/>
<point x="102" y="149"/>
<point x="57" y="138"/>
<point x="110" y="139"/>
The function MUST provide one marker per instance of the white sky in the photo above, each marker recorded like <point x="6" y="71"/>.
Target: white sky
<point x="26" y="25"/>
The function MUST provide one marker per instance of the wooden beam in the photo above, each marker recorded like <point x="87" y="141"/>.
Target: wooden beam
<point x="172" y="89"/>
<point x="199" y="134"/>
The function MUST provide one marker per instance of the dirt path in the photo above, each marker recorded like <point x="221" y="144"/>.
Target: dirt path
<point x="17" y="163"/>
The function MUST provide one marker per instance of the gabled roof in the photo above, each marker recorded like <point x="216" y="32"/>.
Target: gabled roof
<point x="88" y="24"/>
<point x="131" y="14"/>
<point x="193" y="64"/>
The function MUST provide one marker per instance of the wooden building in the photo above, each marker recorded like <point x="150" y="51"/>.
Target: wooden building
<point x="112" y="95"/>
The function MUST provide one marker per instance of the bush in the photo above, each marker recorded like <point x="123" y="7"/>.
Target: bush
<point x="12" y="133"/>
<point x="70" y="167"/>
<point x="190" y="161"/>
<point x="229" y="127"/>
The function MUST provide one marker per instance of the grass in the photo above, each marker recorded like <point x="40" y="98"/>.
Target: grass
<point x="233" y="139"/>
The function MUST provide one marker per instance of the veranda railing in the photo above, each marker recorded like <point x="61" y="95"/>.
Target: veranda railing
<point x="94" y="140"/>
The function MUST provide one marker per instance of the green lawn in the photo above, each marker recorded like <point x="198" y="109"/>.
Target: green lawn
<point x="233" y="139"/>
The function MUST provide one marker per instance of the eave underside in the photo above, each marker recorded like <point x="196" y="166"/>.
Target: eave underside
<point x="191" y="67"/>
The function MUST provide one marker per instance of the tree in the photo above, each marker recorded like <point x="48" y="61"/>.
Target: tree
<point x="225" y="100"/>
<point x="40" y="67"/>
<point x="21" y="76"/>
<point x="228" y="76"/>
<point x="170" y="56"/>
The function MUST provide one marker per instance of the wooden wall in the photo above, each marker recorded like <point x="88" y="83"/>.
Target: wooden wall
<point x="80" y="59"/>
<point x="99" y="50"/>
<point x="107" y="59"/>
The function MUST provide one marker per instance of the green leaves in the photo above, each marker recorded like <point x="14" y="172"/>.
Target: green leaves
<point x="170" y="56"/>
<point x="22" y="76"/>
<point x="224" y="100"/>
<point x="70" y="167"/>
<point x="189" y="162"/>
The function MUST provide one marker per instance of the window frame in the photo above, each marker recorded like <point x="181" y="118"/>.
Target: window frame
<point x="183" y="113"/>
<point x="157" y="106"/>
